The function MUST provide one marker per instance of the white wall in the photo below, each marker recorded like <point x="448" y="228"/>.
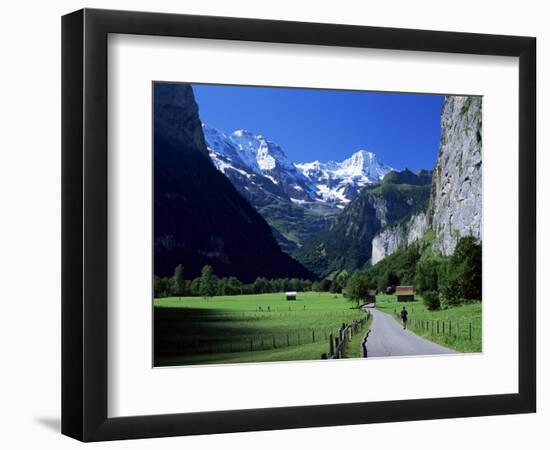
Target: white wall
<point x="30" y="221"/>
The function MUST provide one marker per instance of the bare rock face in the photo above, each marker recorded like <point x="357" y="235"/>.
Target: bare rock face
<point x="455" y="204"/>
<point x="455" y="199"/>
<point x="398" y="236"/>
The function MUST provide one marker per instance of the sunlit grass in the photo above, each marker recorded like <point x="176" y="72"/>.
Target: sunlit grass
<point x="460" y="327"/>
<point x="248" y="328"/>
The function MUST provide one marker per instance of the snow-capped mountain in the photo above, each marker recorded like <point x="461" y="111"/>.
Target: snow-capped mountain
<point x="341" y="182"/>
<point x="252" y="156"/>
<point x="298" y="200"/>
<point x="243" y="151"/>
<point x="219" y="145"/>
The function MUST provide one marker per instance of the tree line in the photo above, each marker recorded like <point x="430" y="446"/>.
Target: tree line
<point x="208" y="284"/>
<point x="442" y="281"/>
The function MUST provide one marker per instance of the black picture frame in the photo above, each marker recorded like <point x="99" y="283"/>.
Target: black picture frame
<point x="84" y="224"/>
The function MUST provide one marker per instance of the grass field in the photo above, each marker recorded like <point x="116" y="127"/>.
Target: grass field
<point x="248" y="328"/>
<point x="454" y="323"/>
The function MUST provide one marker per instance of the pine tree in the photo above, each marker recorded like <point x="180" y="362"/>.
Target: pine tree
<point x="178" y="281"/>
<point x="208" y="283"/>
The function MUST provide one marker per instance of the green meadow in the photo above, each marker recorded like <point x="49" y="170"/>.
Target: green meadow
<point x="457" y="327"/>
<point x="248" y="328"/>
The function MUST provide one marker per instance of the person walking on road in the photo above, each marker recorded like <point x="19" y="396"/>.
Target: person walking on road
<point x="404" y="315"/>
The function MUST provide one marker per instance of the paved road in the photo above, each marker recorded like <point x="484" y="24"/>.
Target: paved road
<point x="388" y="338"/>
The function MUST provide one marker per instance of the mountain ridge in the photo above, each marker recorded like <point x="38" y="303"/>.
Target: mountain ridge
<point x="347" y="243"/>
<point x="225" y="231"/>
<point x="333" y="182"/>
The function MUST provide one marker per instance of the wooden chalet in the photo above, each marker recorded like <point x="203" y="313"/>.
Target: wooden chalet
<point x="404" y="293"/>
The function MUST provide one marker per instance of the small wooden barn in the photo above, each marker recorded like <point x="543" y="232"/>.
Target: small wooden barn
<point x="404" y="293"/>
<point x="291" y="295"/>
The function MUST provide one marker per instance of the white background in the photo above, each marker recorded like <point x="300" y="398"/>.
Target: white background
<point x="135" y="389"/>
<point x="30" y="236"/>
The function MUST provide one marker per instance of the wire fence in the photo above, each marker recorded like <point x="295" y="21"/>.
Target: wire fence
<point x="233" y="344"/>
<point x="219" y="332"/>
<point x="459" y="328"/>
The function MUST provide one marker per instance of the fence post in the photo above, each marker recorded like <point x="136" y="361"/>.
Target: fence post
<point x="287" y="340"/>
<point x="438" y="326"/>
<point x="331" y="344"/>
<point x="313" y="335"/>
<point x="443" y="324"/>
<point x="274" y="346"/>
<point x="470" y="330"/>
<point x="251" y="344"/>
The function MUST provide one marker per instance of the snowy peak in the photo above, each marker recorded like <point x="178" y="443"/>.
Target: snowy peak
<point x="218" y="142"/>
<point x="364" y="163"/>
<point x="246" y="148"/>
<point x="259" y="153"/>
<point x="340" y="182"/>
<point x="359" y="161"/>
<point x="334" y="183"/>
<point x="246" y="151"/>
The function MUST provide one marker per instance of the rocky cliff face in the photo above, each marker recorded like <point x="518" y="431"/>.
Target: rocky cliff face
<point x="399" y="236"/>
<point x="455" y="199"/>
<point x="455" y="204"/>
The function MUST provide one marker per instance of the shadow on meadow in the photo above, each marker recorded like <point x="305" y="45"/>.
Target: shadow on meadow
<point x="192" y="331"/>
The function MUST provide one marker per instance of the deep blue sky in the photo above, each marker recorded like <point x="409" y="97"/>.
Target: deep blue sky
<point x="309" y="124"/>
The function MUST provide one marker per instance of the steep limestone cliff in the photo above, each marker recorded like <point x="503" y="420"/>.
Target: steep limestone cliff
<point x="455" y="199"/>
<point x="455" y="204"/>
<point x="398" y="236"/>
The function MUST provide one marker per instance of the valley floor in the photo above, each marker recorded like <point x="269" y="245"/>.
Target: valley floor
<point x="248" y="328"/>
<point x="267" y="328"/>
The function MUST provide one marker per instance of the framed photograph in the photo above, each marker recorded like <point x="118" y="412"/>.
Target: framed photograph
<point x="273" y="224"/>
